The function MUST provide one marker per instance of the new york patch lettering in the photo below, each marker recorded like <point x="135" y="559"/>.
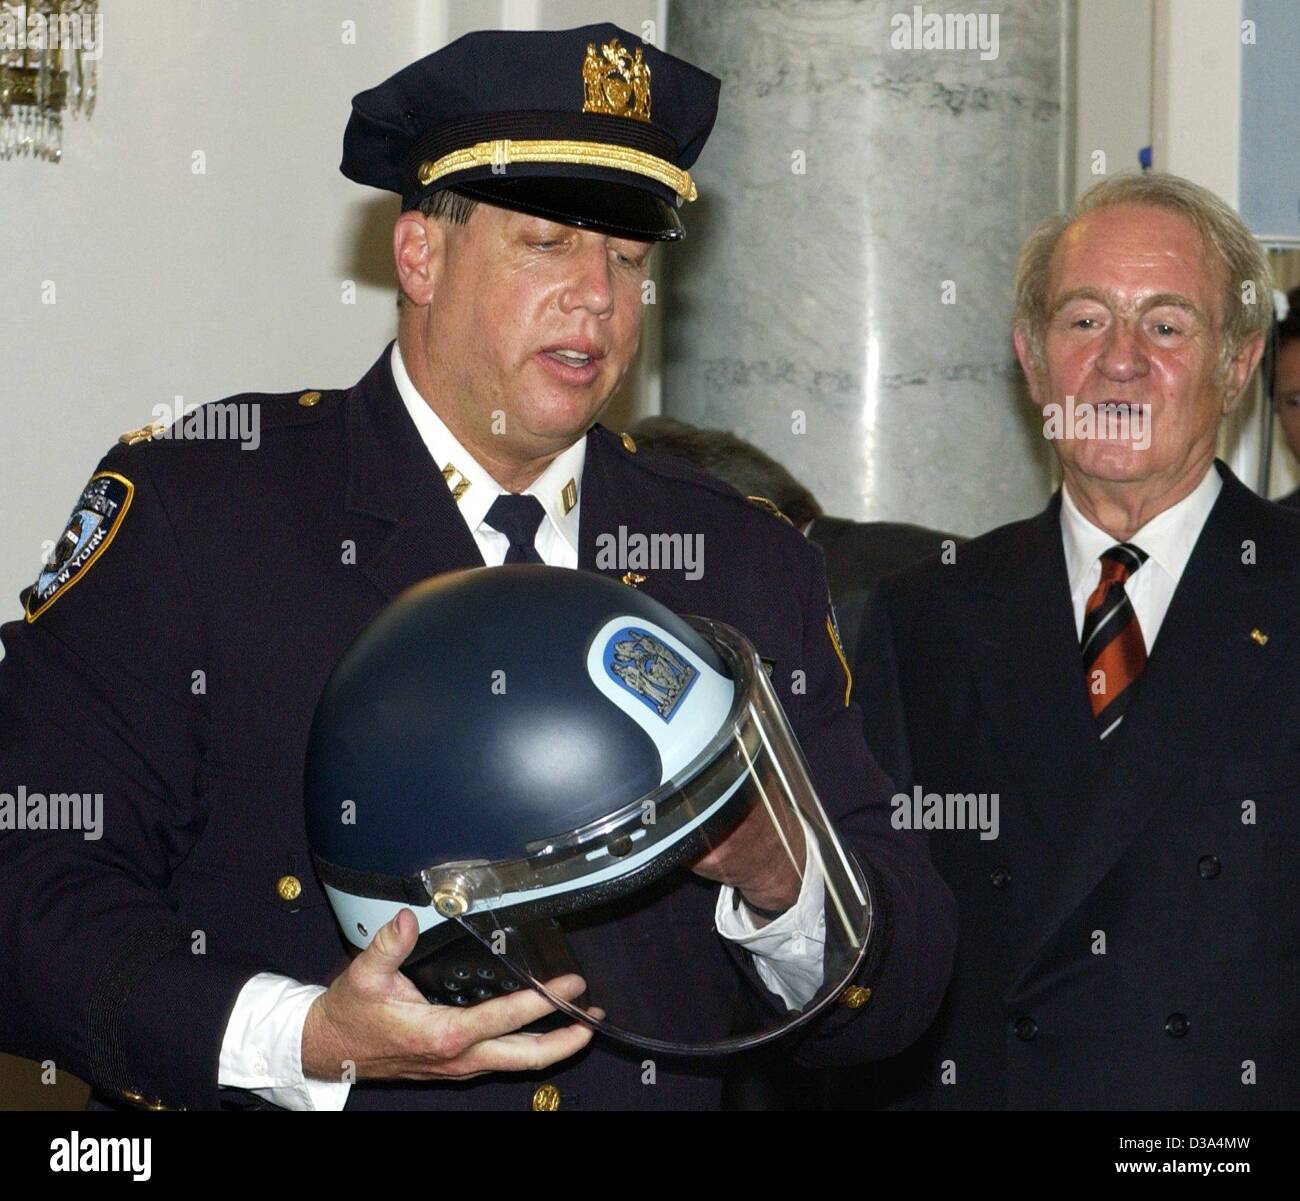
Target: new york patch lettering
<point x="92" y="526"/>
<point x="649" y="669"/>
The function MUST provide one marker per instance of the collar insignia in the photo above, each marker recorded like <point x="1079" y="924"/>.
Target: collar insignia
<point x="458" y="489"/>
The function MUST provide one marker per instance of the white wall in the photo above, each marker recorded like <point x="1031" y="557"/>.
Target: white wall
<point x="170" y="283"/>
<point x="1112" y="93"/>
<point x="1196" y="111"/>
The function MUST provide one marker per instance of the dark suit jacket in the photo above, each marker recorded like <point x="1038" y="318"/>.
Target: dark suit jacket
<point x="860" y="553"/>
<point x="1291" y="499"/>
<point x="257" y="569"/>
<point x="1176" y="850"/>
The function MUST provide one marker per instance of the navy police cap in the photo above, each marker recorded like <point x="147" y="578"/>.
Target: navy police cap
<point x="591" y="127"/>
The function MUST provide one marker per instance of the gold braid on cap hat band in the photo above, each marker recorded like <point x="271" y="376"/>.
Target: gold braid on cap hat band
<point x="503" y="151"/>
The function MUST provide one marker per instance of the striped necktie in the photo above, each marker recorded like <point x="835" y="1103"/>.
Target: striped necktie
<point x="1114" y="651"/>
<point x="518" y="518"/>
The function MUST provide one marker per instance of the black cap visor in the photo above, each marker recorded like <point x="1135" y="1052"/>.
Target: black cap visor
<point x="617" y="209"/>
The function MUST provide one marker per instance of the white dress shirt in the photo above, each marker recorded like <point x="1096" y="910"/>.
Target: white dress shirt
<point x="1168" y="538"/>
<point x="262" y="1047"/>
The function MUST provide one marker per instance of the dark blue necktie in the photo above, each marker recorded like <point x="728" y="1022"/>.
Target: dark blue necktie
<point x="517" y="517"/>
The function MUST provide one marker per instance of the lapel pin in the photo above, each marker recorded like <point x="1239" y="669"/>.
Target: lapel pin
<point x="633" y="579"/>
<point x="1259" y="636"/>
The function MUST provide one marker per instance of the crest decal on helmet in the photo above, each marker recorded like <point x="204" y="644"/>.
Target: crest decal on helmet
<point x="649" y="669"/>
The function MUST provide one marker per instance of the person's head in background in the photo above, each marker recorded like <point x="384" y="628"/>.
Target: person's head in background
<point x="1146" y="307"/>
<point x="734" y="461"/>
<point x="1286" y="377"/>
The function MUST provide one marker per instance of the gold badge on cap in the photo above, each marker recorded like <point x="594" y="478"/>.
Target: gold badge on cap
<point x="616" y="82"/>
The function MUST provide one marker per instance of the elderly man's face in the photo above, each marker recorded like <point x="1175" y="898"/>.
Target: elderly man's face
<point x="537" y="321"/>
<point x="1134" y="320"/>
<point x="1288" y="392"/>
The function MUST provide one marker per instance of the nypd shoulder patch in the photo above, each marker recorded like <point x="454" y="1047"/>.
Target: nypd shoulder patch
<point x="94" y="523"/>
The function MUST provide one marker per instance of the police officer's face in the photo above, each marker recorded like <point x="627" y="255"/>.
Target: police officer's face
<point x="1134" y="332"/>
<point x="537" y="321"/>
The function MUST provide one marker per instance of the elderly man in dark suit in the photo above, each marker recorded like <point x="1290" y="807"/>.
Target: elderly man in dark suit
<point x="1096" y="711"/>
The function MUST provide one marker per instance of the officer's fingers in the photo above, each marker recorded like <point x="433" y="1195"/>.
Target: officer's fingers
<point x="492" y="1019"/>
<point x="526" y="1052"/>
<point x="391" y="945"/>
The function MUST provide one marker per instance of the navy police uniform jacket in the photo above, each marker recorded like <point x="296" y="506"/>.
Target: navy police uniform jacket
<point x="1131" y="939"/>
<point x="176" y="672"/>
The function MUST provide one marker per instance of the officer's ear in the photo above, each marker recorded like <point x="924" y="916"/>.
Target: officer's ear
<point x="419" y="250"/>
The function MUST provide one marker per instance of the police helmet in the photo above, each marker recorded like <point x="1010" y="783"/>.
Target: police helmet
<point x="543" y="764"/>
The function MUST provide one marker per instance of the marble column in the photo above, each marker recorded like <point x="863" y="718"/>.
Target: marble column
<point x="843" y="295"/>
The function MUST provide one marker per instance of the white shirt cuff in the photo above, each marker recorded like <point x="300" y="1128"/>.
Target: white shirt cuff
<point x="262" y="1047"/>
<point x="789" y="952"/>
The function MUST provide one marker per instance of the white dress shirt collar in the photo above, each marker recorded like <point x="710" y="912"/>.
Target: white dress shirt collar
<point x="1168" y="538"/>
<point x="558" y="488"/>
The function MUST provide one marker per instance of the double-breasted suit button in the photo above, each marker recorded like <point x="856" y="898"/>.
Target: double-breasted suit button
<point x="1208" y="866"/>
<point x="1000" y="877"/>
<point x="288" y="888"/>
<point x="1177" y="1025"/>
<point x="1026" y="1029"/>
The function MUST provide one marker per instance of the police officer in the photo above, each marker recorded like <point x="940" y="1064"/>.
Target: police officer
<point x="172" y="652"/>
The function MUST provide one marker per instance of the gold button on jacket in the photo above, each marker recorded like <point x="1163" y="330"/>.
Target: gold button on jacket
<point x="546" y="1098"/>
